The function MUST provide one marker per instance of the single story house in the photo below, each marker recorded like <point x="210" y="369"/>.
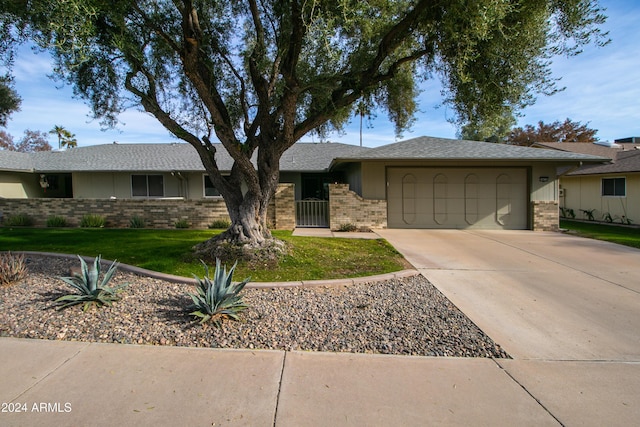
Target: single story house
<point x="608" y="190"/>
<point x="419" y="183"/>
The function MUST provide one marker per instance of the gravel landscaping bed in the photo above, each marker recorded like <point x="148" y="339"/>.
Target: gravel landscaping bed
<point x="406" y="316"/>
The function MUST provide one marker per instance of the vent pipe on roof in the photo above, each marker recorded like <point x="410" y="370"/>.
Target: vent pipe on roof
<point x="607" y="144"/>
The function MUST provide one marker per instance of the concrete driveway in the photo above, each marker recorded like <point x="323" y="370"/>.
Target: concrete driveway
<point x="547" y="296"/>
<point x="567" y="309"/>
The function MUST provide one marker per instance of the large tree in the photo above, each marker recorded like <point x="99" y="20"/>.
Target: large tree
<point x="9" y="99"/>
<point x="32" y="141"/>
<point x="567" y="131"/>
<point x="65" y="138"/>
<point x="258" y="75"/>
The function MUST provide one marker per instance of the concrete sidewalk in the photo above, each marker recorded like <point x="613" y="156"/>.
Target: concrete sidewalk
<point x="60" y="383"/>
<point x="567" y="309"/>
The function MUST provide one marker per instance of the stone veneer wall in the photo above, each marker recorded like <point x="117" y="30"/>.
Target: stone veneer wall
<point x="284" y="207"/>
<point x="546" y="216"/>
<point x="346" y="207"/>
<point x="157" y="213"/>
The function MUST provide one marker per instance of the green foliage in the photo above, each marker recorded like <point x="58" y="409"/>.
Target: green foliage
<point x="218" y="298"/>
<point x="92" y="221"/>
<point x="56" y="221"/>
<point x="18" y="220"/>
<point x="65" y="138"/>
<point x="489" y="130"/>
<point x="92" y="290"/>
<point x="347" y="227"/>
<point x="260" y="78"/>
<point x="567" y="213"/>
<point x="9" y="99"/>
<point x="12" y="268"/>
<point x="182" y="223"/>
<point x="588" y="213"/>
<point x="220" y="224"/>
<point x="607" y="217"/>
<point x="628" y="236"/>
<point x="136" y="222"/>
<point x="170" y="251"/>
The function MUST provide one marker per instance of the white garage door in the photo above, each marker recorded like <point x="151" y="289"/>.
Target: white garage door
<point x="491" y="198"/>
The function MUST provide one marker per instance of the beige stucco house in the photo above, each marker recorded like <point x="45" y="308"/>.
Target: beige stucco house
<point x="419" y="183"/>
<point x="607" y="190"/>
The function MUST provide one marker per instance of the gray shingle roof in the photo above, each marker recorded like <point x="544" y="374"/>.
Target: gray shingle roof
<point x="162" y="157"/>
<point x="624" y="157"/>
<point x="428" y="148"/>
<point x="301" y="157"/>
<point x="14" y="161"/>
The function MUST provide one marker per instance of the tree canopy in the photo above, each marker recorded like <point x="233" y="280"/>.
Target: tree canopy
<point x="9" y="100"/>
<point x="259" y="75"/>
<point x="65" y="137"/>
<point x="32" y="141"/>
<point x="567" y="131"/>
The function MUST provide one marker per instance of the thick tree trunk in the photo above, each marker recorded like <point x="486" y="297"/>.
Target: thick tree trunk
<point x="249" y="236"/>
<point x="248" y="224"/>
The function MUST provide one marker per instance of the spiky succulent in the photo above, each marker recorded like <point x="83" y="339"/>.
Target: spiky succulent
<point x="217" y="299"/>
<point x="92" y="290"/>
<point x="13" y="268"/>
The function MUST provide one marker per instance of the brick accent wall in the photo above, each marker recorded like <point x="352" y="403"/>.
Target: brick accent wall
<point x="118" y="212"/>
<point x="285" y="207"/>
<point x="156" y="213"/>
<point x="346" y="207"/>
<point x="546" y="216"/>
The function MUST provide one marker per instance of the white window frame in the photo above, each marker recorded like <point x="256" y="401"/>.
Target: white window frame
<point x="147" y="175"/>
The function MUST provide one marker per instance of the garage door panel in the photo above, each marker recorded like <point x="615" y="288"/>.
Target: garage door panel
<point x="457" y="198"/>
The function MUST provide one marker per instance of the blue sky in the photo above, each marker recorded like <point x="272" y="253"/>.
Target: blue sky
<point x="602" y="89"/>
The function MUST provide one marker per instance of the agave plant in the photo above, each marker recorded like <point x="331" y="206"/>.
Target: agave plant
<point x="92" y="290"/>
<point x="217" y="299"/>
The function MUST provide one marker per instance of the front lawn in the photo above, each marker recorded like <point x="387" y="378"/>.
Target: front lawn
<point x="169" y="251"/>
<point x="628" y="236"/>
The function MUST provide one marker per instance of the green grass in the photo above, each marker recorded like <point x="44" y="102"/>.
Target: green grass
<point x="169" y="251"/>
<point x="628" y="236"/>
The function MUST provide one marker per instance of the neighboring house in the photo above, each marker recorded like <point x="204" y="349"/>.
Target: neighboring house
<point x="419" y="183"/>
<point x="609" y="190"/>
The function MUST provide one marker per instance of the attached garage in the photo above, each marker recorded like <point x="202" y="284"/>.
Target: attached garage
<point x="428" y="197"/>
<point x="455" y="184"/>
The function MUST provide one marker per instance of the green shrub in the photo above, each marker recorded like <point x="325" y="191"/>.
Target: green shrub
<point x="588" y="213"/>
<point x="217" y="299"/>
<point x="91" y="289"/>
<point x="220" y="224"/>
<point x="182" y="223"/>
<point x="136" y="222"/>
<point x="19" y="220"/>
<point x="56" y="221"/>
<point x="348" y="227"/>
<point x="12" y="268"/>
<point x="92" y="221"/>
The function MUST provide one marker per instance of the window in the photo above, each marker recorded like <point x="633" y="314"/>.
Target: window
<point x="147" y="185"/>
<point x="614" y="187"/>
<point x="209" y="189"/>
